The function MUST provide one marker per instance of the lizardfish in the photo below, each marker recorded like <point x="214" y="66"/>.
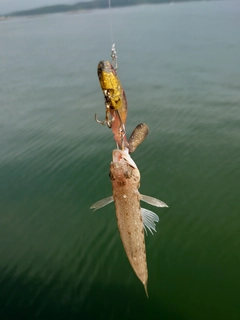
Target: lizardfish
<point x="115" y="102"/>
<point x="131" y="218"/>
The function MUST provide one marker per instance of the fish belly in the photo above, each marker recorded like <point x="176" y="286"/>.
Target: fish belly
<point x="131" y="230"/>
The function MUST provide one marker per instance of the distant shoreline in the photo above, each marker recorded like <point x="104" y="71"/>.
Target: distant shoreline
<point x="33" y="16"/>
<point x="84" y="6"/>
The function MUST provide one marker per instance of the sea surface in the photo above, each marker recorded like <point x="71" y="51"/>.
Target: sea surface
<point x="180" y="67"/>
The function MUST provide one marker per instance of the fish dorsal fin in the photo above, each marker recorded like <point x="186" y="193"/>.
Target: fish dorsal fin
<point x="149" y="218"/>
<point x="153" y="201"/>
<point x="101" y="203"/>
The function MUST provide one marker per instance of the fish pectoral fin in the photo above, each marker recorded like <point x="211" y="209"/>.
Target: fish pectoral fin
<point x="149" y="218"/>
<point x="153" y="201"/>
<point x="101" y="203"/>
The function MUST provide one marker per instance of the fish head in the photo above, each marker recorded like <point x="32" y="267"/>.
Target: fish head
<point x="123" y="171"/>
<point x="123" y="157"/>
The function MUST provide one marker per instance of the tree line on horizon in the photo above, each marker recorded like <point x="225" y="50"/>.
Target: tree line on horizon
<point x="95" y="4"/>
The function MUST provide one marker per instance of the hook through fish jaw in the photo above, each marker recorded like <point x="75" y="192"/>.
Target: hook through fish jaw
<point x="122" y="134"/>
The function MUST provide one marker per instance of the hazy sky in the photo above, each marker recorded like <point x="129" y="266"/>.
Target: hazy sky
<point x="7" y="6"/>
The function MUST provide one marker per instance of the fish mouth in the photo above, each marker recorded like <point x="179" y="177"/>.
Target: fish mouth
<point x="122" y="156"/>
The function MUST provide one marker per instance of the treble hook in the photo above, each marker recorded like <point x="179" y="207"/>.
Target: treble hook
<point x="107" y="121"/>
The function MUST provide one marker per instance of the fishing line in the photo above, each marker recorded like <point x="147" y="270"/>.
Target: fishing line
<point x="110" y="20"/>
<point x="113" y="50"/>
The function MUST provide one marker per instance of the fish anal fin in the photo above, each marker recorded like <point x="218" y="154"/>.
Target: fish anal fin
<point x="153" y="201"/>
<point x="101" y="203"/>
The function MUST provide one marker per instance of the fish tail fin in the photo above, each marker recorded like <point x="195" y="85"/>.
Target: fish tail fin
<point x="146" y="290"/>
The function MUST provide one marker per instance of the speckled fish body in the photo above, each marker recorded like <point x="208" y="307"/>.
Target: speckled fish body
<point x="125" y="178"/>
<point x="115" y="100"/>
<point x="131" y="218"/>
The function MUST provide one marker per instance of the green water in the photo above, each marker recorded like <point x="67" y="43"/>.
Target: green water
<point x="180" y="67"/>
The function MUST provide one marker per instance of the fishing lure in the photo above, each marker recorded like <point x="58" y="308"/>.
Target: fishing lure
<point x="115" y="102"/>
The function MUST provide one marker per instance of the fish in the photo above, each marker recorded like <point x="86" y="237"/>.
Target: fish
<point x="132" y="220"/>
<point x="115" y="102"/>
